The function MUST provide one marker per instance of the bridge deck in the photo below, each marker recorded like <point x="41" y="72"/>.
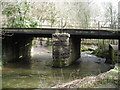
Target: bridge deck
<point x="82" y="33"/>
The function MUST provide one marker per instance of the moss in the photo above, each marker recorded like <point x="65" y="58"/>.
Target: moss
<point x="84" y="49"/>
<point x="101" y="53"/>
<point x="49" y="47"/>
<point x="111" y="77"/>
<point x="87" y="49"/>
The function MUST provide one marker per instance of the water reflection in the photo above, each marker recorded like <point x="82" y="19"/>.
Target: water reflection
<point x="38" y="73"/>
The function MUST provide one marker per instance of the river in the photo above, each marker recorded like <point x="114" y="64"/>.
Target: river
<point x="37" y="72"/>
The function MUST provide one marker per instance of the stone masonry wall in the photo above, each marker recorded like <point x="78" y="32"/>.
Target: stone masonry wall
<point x="15" y="47"/>
<point x="66" y="49"/>
<point x="61" y="49"/>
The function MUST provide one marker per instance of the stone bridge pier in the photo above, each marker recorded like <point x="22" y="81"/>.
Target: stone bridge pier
<point x="66" y="49"/>
<point x="15" y="48"/>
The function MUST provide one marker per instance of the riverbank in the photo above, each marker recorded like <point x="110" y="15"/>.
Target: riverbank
<point x="100" y="81"/>
<point x="38" y="72"/>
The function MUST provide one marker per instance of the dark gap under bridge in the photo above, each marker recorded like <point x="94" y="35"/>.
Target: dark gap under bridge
<point x="17" y="42"/>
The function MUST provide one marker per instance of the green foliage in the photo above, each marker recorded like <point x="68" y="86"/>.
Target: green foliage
<point x="18" y="15"/>
<point x="102" y="50"/>
<point x="101" y="53"/>
<point x="8" y="11"/>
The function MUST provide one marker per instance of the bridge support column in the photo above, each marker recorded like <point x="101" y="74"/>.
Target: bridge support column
<point x="15" y="47"/>
<point x="61" y="49"/>
<point x="75" y="48"/>
<point x="65" y="50"/>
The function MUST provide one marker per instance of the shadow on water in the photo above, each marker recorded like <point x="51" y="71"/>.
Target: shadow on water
<point x="37" y="72"/>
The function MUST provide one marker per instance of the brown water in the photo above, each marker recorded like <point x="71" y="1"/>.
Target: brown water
<point x="38" y="72"/>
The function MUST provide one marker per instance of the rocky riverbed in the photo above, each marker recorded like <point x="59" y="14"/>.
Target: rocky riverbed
<point x="109" y="79"/>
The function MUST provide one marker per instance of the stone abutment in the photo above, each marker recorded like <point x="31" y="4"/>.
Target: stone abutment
<point x="15" y="48"/>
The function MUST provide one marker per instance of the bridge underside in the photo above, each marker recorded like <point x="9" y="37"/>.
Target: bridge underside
<point x="17" y="45"/>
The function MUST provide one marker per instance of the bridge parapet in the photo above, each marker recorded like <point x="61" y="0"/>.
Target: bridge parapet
<point x="83" y="33"/>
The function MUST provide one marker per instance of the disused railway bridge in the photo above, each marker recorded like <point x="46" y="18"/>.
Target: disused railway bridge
<point x="16" y="42"/>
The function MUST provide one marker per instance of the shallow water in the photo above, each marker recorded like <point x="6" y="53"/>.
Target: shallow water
<point x="38" y="72"/>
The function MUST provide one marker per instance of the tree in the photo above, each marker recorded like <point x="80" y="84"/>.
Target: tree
<point x="80" y="14"/>
<point x="45" y="12"/>
<point x="17" y="14"/>
<point x="119" y="14"/>
<point x="110" y="14"/>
